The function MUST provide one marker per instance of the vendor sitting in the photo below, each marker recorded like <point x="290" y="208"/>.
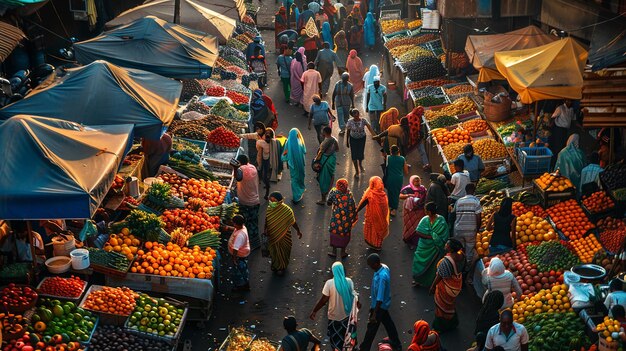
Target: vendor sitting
<point x="18" y="244"/>
<point x="616" y="295"/>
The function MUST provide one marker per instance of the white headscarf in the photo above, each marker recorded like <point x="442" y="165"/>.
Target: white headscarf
<point x="496" y="268"/>
<point x="573" y="140"/>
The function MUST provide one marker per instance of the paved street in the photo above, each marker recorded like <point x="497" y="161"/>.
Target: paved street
<point x="296" y="293"/>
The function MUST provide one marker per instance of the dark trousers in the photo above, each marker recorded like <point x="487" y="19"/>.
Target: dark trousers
<point x="266" y="174"/>
<point x="372" y="328"/>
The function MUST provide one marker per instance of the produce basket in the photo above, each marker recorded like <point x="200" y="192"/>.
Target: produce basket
<point x="171" y="340"/>
<point x="492" y="167"/>
<point x="604" y="345"/>
<point x="277" y="346"/>
<point x="58" y="297"/>
<point x="106" y="318"/>
<point x="533" y="160"/>
<point x="550" y="198"/>
<point x="224" y="346"/>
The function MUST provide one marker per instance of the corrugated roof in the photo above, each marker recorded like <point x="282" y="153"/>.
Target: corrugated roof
<point x="11" y="36"/>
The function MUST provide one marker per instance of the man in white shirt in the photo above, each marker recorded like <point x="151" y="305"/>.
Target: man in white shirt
<point x="459" y="179"/>
<point x="562" y="119"/>
<point x="239" y="248"/>
<point x="507" y="334"/>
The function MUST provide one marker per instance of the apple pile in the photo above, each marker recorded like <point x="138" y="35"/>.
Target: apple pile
<point x="17" y="298"/>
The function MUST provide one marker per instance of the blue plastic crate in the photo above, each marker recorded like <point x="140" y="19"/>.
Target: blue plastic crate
<point x="534" y="160"/>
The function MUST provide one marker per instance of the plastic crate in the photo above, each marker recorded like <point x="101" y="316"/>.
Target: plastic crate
<point x="534" y="160"/>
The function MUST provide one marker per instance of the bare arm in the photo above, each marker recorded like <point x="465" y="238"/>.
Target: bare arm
<point x="320" y="303"/>
<point x="406" y="172"/>
<point x="361" y="205"/>
<point x="348" y="138"/>
<point x="367" y="102"/>
<point x="369" y="127"/>
<point x="352" y="98"/>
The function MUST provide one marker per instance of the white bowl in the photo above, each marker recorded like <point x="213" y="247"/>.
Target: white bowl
<point x="58" y="264"/>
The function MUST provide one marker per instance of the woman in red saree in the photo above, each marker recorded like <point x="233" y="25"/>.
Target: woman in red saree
<point x="280" y="23"/>
<point x="424" y="339"/>
<point x="376" y="224"/>
<point x="447" y="286"/>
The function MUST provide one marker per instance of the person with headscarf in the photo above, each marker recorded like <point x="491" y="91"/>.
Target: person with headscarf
<point x="294" y="153"/>
<point x="280" y="23"/>
<point x="327" y="34"/>
<point x="325" y="64"/>
<point x="259" y="110"/>
<point x="276" y="151"/>
<point x="369" y="31"/>
<point x="389" y="118"/>
<point x="489" y="313"/>
<point x="424" y="339"/>
<point x="571" y="160"/>
<point x="503" y="225"/>
<point x="396" y="134"/>
<point x="376" y="224"/>
<point x="354" y="65"/>
<point x="414" y="196"/>
<point x="358" y="13"/>
<point x="327" y="158"/>
<point x="447" y="286"/>
<point x="341" y="49"/>
<point x="294" y="15"/>
<point x="433" y="234"/>
<point x="368" y="79"/>
<point x="438" y="193"/>
<point x="330" y="11"/>
<point x="298" y="66"/>
<point x="339" y="294"/>
<point x="315" y="6"/>
<point x="343" y="217"/>
<point x="497" y="277"/>
<point x="375" y="102"/>
<point x="396" y="168"/>
<point x="355" y="34"/>
<point x="312" y="85"/>
<point x="346" y="24"/>
<point x="279" y="219"/>
<point x="340" y="15"/>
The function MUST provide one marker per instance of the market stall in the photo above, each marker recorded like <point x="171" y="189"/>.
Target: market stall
<point x="101" y="93"/>
<point x="153" y="45"/>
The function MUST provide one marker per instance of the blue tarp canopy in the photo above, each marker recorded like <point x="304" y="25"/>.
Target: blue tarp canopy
<point x="153" y="45"/>
<point x="104" y="94"/>
<point x="53" y="168"/>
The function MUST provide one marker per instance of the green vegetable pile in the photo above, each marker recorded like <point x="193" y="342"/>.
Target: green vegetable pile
<point x="551" y="255"/>
<point x="485" y="185"/>
<point x="181" y="145"/>
<point x="224" y="211"/>
<point x="144" y="225"/>
<point x="428" y="101"/>
<point x="556" y="332"/>
<point x="191" y="170"/>
<point x="224" y="109"/>
<point x="159" y="197"/>
<point x="188" y="155"/>
<point x="443" y="121"/>
<point x="109" y="259"/>
<point x="207" y="238"/>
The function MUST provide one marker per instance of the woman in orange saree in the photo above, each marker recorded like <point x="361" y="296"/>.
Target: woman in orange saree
<point x="376" y="224"/>
<point x="447" y="286"/>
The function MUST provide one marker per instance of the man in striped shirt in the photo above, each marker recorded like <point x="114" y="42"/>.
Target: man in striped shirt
<point x="467" y="223"/>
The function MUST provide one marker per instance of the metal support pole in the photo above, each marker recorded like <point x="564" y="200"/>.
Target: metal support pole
<point x="177" y="11"/>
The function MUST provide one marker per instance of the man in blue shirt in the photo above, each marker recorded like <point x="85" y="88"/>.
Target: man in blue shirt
<point x="472" y="162"/>
<point x="376" y="102"/>
<point x="283" y="63"/>
<point x="379" y="306"/>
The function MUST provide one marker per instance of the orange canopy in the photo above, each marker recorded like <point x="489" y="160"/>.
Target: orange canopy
<point x="551" y="71"/>
<point x="481" y="48"/>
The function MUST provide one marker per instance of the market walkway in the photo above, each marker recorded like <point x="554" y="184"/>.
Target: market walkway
<point x="296" y="293"/>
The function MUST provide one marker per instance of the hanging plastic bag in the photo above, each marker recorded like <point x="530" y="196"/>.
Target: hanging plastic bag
<point x="89" y="230"/>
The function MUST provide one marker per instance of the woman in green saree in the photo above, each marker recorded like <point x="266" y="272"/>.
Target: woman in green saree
<point x="433" y="233"/>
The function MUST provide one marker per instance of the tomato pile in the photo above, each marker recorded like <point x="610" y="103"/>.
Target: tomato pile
<point x="223" y="137"/>
<point x="520" y="208"/>
<point x="192" y="221"/>
<point x="17" y="298"/>
<point x="66" y="287"/>
<point x="613" y="239"/>
<point x="237" y="98"/>
<point x="570" y="219"/>
<point x="120" y="301"/>
<point x="212" y="192"/>
<point x="215" y="91"/>
<point x="598" y="202"/>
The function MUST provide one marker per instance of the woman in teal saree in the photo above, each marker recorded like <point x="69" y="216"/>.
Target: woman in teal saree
<point x="433" y="233"/>
<point x="295" y="150"/>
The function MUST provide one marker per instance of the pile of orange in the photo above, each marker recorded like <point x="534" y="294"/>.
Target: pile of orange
<point x="554" y="182"/>
<point x="123" y="242"/>
<point x="482" y="242"/>
<point x="608" y="327"/>
<point x="531" y="228"/>
<point x="475" y="125"/>
<point x="552" y="300"/>
<point x="444" y="137"/>
<point x="120" y="301"/>
<point x="598" y="202"/>
<point x="586" y="248"/>
<point x="173" y="260"/>
<point x="519" y="208"/>
<point x="211" y="192"/>
<point x="570" y="219"/>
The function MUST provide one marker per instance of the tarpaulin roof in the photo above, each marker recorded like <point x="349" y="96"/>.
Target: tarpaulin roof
<point x="481" y="48"/>
<point x="608" y="45"/>
<point x="11" y="36"/>
<point x="230" y="8"/>
<point x="551" y="71"/>
<point x="104" y="94"/>
<point x="194" y="14"/>
<point x="53" y="168"/>
<point x="153" y="45"/>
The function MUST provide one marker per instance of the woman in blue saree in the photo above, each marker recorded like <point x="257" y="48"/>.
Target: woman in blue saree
<point x="369" y="28"/>
<point x="295" y="150"/>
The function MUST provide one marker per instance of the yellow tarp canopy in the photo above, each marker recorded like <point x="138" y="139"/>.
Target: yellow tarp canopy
<point x="481" y="48"/>
<point x="551" y="71"/>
